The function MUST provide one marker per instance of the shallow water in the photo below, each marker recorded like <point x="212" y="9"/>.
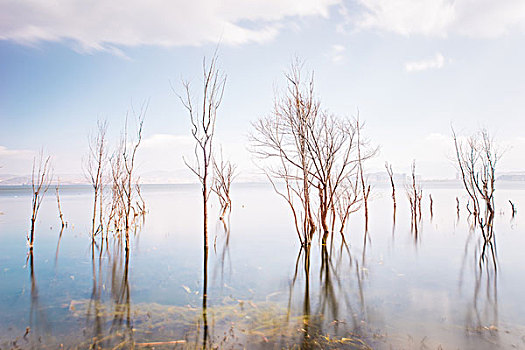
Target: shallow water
<point x="387" y="289"/>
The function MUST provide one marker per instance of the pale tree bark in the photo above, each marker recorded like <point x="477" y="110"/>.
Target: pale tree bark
<point x="390" y="173"/>
<point x="415" y="195"/>
<point x="224" y="174"/>
<point x="94" y="169"/>
<point x="58" y="204"/>
<point x="477" y="157"/>
<point x="40" y="180"/>
<point x="128" y="180"/>
<point x="309" y="149"/>
<point x="203" y="114"/>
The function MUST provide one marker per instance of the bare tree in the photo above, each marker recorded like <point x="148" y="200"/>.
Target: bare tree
<point x="128" y="182"/>
<point x="94" y="169"/>
<point x="477" y="158"/>
<point x="58" y="204"/>
<point x="282" y="137"/>
<point x="431" y="205"/>
<point x="40" y="180"/>
<point x="126" y="203"/>
<point x="309" y="149"/>
<point x="414" y="194"/>
<point x="203" y="128"/>
<point x="390" y="173"/>
<point x="362" y="156"/>
<point x="333" y="150"/>
<point x="348" y="200"/>
<point x="224" y="173"/>
<point x="513" y="207"/>
<point x="116" y="212"/>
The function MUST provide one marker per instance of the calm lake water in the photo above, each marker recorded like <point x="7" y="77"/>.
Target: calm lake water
<point x="387" y="289"/>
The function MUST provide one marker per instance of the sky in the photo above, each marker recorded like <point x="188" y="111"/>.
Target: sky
<point x="412" y="68"/>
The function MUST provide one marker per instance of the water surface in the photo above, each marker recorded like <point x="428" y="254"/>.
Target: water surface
<point x="388" y="288"/>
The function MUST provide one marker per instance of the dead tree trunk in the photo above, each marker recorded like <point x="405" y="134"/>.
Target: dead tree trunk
<point x="431" y="205"/>
<point x="94" y="168"/>
<point x="58" y="204"/>
<point x="40" y="181"/>
<point x="415" y="194"/>
<point x="390" y="173"/>
<point x="203" y="128"/>
<point x="224" y="173"/>
<point x="477" y="159"/>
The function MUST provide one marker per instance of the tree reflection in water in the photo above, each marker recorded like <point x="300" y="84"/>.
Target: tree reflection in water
<point x="110" y="322"/>
<point x="39" y="329"/>
<point x="332" y="305"/>
<point x="482" y="312"/>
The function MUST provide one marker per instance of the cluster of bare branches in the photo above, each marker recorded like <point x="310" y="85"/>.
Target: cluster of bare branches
<point x="203" y="128"/>
<point x="94" y="170"/>
<point x="224" y="172"/>
<point x="477" y="157"/>
<point x="415" y="195"/>
<point x="390" y="173"/>
<point x="41" y="177"/>
<point x="311" y="150"/>
<point x="127" y="204"/>
<point x="116" y="171"/>
<point x="361" y="157"/>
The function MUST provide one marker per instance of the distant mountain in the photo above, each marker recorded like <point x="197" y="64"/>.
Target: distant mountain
<point x="25" y="180"/>
<point x="181" y="176"/>
<point x="512" y="176"/>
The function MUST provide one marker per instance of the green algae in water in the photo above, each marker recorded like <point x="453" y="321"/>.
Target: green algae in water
<point x="242" y="325"/>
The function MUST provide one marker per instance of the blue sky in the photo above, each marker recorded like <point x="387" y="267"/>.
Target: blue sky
<point x="411" y="67"/>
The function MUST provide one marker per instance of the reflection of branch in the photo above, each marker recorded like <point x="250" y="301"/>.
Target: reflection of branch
<point x="225" y="253"/>
<point x="58" y="245"/>
<point x="485" y="280"/>
<point x="37" y="318"/>
<point x="205" y="335"/>
<point x="333" y="294"/>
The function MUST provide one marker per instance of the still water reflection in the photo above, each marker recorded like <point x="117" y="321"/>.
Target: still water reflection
<point x="443" y="287"/>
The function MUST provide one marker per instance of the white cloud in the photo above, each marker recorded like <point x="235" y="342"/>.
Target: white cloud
<point x="434" y="63"/>
<point x="15" y="161"/>
<point x="438" y="137"/>
<point x="405" y="17"/>
<point x="440" y="18"/>
<point x="6" y="152"/>
<point x="337" y="53"/>
<point x="102" y="25"/>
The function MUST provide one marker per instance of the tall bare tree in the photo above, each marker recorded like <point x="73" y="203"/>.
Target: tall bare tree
<point x="40" y="180"/>
<point x="116" y="213"/>
<point x="390" y="173"/>
<point x="58" y="204"/>
<point x="282" y="137"/>
<point x="310" y="150"/>
<point x="203" y="128"/>
<point x="415" y="195"/>
<point x="362" y="156"/>
<point x="94" y="169"/>
<point x="128" y="179"/>
<point x="332" y="146"/>
<point x="477" y="157"/>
